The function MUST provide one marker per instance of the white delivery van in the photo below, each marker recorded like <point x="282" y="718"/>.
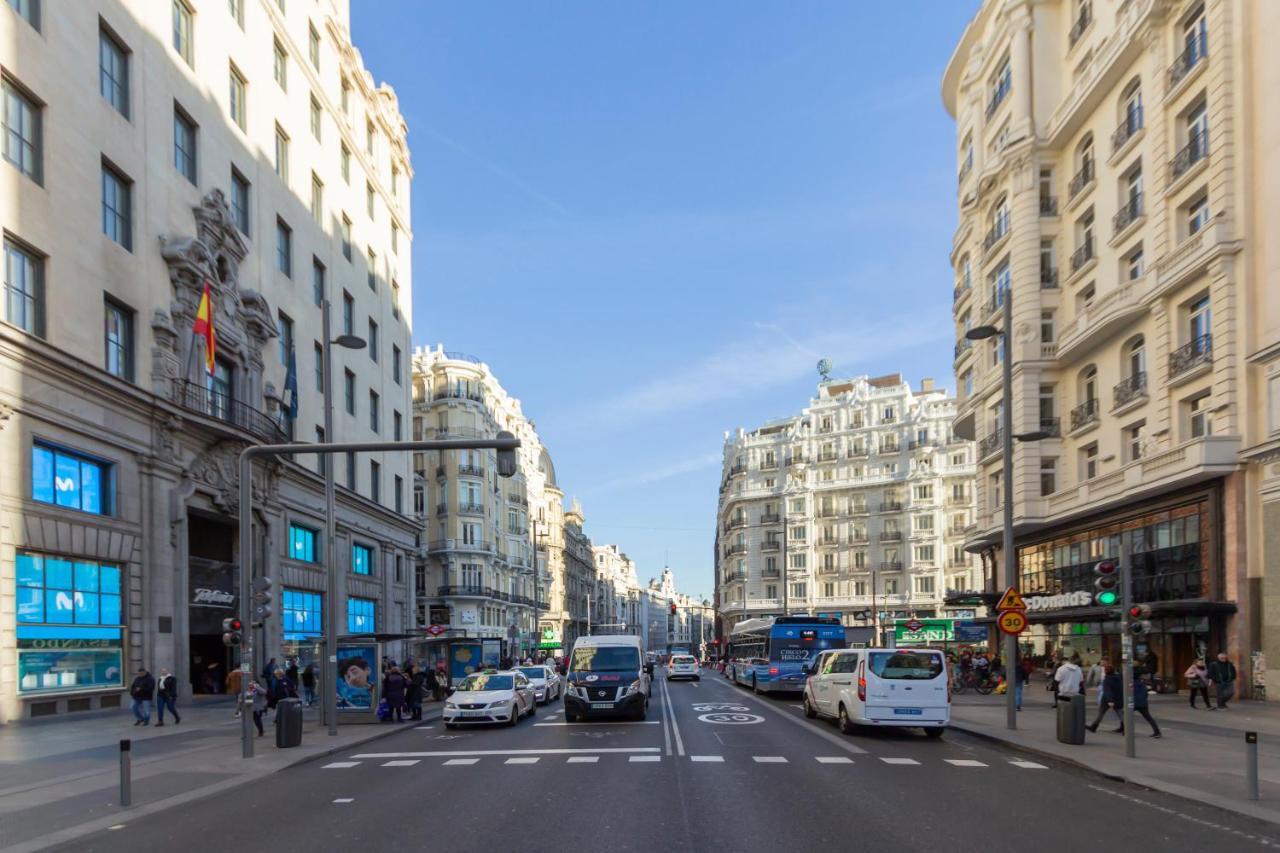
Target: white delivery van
<point x="882" y="688"/>
<point x="608" y="677"/>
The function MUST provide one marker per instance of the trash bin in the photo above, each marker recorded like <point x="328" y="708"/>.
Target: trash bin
<point x="288" y="723"/>
<point x="1071" y="713"/>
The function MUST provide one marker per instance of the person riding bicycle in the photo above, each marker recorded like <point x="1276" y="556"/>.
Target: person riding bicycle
<point x="982" y="666"/>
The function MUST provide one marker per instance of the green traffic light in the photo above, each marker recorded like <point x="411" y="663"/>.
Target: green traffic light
<point x="1107" y="598"/>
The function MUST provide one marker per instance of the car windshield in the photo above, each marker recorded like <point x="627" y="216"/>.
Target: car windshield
<point x="473" y="683"/>
<point x="605" y="659"/>
<point x="682" y="660"/>
<point x="534" y="671"/>
<point x="905" y="665"/>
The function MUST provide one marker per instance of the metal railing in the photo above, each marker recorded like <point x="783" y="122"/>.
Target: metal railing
<point x="891" y="506"/>
<point x="1197" y="50"/>
<point x="1081" y="179"/>
<point x="997" y="97"/>
<point x="737" y="469"/>
<point x="1128" y="214"/>
<point x="858" y="453"/>
<point x="769" y="465"/>
<point x="1048" y="278"/>
<point x="891" y="566"/>
<point x="891" y="536"/>
<point x="1131" y="388"/>
<point x="473" y="470"/>
<point x="1052" y="426"/>
<point x="455" y="394"/>
<point x="771" y="545"/>
<point x="990" y="443"/>
<point x="828" y="456"/>
<point x="735" y="523"/>
<point x="735" y="550"/>
<point x="995" y="235"/>
<point x="1082" y="255"/>
<point x="857" y="509"/>
<point x="1196" y="149"/>
<point x="1196" y="352"/>
<point x="461" y="356"/>
<point x="471" y="508"/>
<point x="442" y="509"/>
<point x="196" y="397"/>
<point x="1127" y="130"/>
<point x="770" y="518"/>
<point x="1085" y="414"/>
<point x="458" y="545"/>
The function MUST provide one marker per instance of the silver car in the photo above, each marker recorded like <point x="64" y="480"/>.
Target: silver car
<point x="547" y="686"/>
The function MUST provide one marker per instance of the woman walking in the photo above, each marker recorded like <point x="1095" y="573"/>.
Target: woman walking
<point x="1197" y="676"/>
<point x="1112" y="687"/>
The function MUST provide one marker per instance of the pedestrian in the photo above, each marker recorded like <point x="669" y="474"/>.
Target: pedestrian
<point x="1151" y="663"/>
<point x="393" y="690"/>
<point x="1111" y="698"/>
<point x="1197" y="676"/>
<point x="1097" y="673"/>
<point x="280" y="688"/>
<point x="431" y="682"/>
<point x="258" y="690"/>
<point x="1222" y="673"/>
<point x="141" y="692"/>
<point x="1020" y="678"/>
<point x="417" y="687"/>
<point x="1069" y="679"/>
<point x="1141" y="705"/>
<point x="269" y="672"/>
<point x="291" y="673"/>
<point x="167" y="696"/>
<point x="309" y="684"/>
<point x="235" y="685"/>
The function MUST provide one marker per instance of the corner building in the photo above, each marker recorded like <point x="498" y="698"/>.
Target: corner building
<point x="153" y="147"/>
<point x="1116" y="172"/>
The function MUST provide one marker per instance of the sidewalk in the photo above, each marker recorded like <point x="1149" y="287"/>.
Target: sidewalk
<point x="59" y="779"/>
<point x="1201" y="755"/>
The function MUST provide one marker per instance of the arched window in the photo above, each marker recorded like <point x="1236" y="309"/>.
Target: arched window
<point x="966" y="274"/>
<point x="1000" y="217"/>
<point x="1084" y="165"/>
<point x="1135" y="359"/>
<point x="1088" y="389"/>
<point x="1131" y="109"/>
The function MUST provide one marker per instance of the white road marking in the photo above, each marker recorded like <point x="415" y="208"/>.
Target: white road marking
<point x="460" y="761"/>
<point x="338" y="765"/>
<point x="345" y="800"/>
<point x="801" y="707"/>
<point x="835" y="740"/>
<point x="1265" y="842"/>
<point x="707" y="758"/>
<point x="586" y="759"/>
<point x="1028" y="765"/>
<point x="600" y="725"/>
<point x="637" y="759"/>
<point x="899" y="761"/>
<point x="407" y="762"/>
<point x="769" y="759"/>
<point x="525" y="760"/>
<point x="965" y="762"/>
<point x="833" y="759"/>
<point x="664" y="706"/>
<point x="675" y="727"/>
<point x="423" y="728"/>
<point x="505" y="752"/>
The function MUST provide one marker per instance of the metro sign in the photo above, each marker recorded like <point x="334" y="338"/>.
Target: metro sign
<point x="436" y="630"/>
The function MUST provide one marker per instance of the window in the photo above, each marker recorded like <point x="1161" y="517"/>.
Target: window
<point x="1135" y="266"/>
<point x="1046" y="406"/>
<point x="236" y="10"/>
<point x="344" y="160"/>
<point x="118" y="338"/>
<point x="317" y="199"/>
<point x="284" y="247"/>
<point x="1001" y="83"/>
<point x="923" y="522"/>
<point x="397" y="426"/>
<point x="282" y="154"/>
<point x="348" y="314"/>
<point x="966" y="382"/>
<point x="860" y="589"/>
<point x="349" y="391"/>
<point x="301" y="614"/>
<point x="369" y="134"/>
<point x="351" y="471"/>
<point x="23" y="288"/>
<point x="28" y="10"/>
<point x="1199" y="418"/>
<point x="184" y="144"/>
<point x="891" y="586"/>
<point x="373" y="340"/>
<point x="182" y="32"/>
<point x="303" y="543"/>
<point x="395" y="239"/>
<point x="395" y="363"/>
<point x="313" y="46"/>
<point x="117" y="216"/>
<point x="1089" y="461"/>
<point x="923" y="554"/>
<point x="924" y="586"/>
<point x="362" y="615"/>
<point x="922" y="493"/>
<point x="240" y="201"/>
<point x="369" y="199"/>
<point x="23" y="145"/>
<point x="237" y="103"/>
<point x="993" y="488"/>
<point x="68" y="479"/>
<point x="395" y="181"/>
<point x="797" y="533"/>
<point x="375" y="482"/>
<point x="346" y="97"/>
<point x="399" y="504"/>
<point x="1136" y="359"/>
<point x="317" y="281"/>
<point x="1134" y="441"/>
<point x="280" y="65"/>
<point x="799" y="590"/>
<point x="796" y="561"/>
<point x="346" y="237"/>
<point x="1197" y="213"/>
<point x="113" y="71"/>
<point x="1047" y="332"/>
<point x="361" y="559"/>
<point x="373" y="270"/>
<point x="373" y="411"/>
<point x="319" y="367"/>
<point x="284" y="336"/>
<point x="1200" y="321"/>
<point x="58" y="591"/>
<point x="315" y="118"/>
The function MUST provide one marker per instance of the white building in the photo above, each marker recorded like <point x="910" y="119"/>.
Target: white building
<point x="875" y="493"/>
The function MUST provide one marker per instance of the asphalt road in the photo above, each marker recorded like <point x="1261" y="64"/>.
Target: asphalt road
<point x="713" y="768"/>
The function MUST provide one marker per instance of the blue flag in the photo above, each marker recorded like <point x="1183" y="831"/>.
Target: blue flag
<point x="291" y="388"/>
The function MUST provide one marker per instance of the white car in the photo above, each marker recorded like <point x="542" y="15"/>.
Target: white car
<point x="546" y="683"/>
<point x="490" y="697"/>
<point x="880" y="688"/>
<point x="683" y="666"/>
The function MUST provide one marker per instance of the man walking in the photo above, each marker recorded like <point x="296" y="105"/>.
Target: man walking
<point x="167" y="695"/>
<point x="141" y="692"/>
<point x="1222" y="673"/>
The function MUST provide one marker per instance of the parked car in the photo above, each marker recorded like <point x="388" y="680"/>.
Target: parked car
<point x="547" y="686"/>
<point x="490" y="697"/>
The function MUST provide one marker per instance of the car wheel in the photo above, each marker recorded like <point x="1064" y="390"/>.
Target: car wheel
<point x="935" y="734"/>
<point x="515" y="715"/>
<point x="644" y="710"/>
<point x="809" y="711"/>
<point x="846" y="725"/>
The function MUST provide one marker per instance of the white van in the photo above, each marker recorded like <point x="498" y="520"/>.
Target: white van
<point x="880" y="687"/>
<point x="608" y="677"/>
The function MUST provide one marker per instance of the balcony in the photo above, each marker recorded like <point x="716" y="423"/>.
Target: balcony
<point x="798" y="459"/>
<point x="891" y="566"/>
<point x="1190" y="356"/>
<point x="770" y="518"/>
<point x="470" y="470"/>
<point x="997" y="233"/>
<point x="734" y="575"/>
<point x="921" y="445"/>
<point x="442" y="509"/>
<point x="459" y="394"/>
<point x="828" y="542"/>
<point x="195" y="397"/>
<point x="470" y="509"/>
<point x="771" y="545"/>
<point x="458" y="545"/>
<point x="1081" y="25"/>
<point x="1128" y="390"/>
<point x="770" y="573"/>
<point x="1082" y="256"/>
<point x="735" y="523"/>
<point x="959" y="500"/>
<point x="769" y="465"/>
<point x="1196" y="149"/>
<point x="959" y="291"/>
<point x="962" y="346"/>
<point x="1048" y="278"/>
<point x="828" y="456"/>
<point x="859" y="539"/>
<point x="735" y="550"/>
<point x="889" y="447"/>
<point x="1127" y="130"/>
<point x="518" y="499"/>
<point x="1052" y="426"/>
<point x="1127" y="215"/>
<point x="1187" y="61"/>
<point x="990" y="443"/>
<point x="891" y="506"/>
<point x="1102" y="318"/>
<point x="828" y="570"/>
<point x="827" y="512"/>
<point x="1048" y="205"/>
<point x="1081" y="180"/>
<point x="737" y="470"/>
<point x="858" y="453"/>
<point x="439" y="470"/>
<point x="891" y="536"/>
<point x="466" y="590"/>
<point x="1085" y="414"/>
<point x="857" y="509"/>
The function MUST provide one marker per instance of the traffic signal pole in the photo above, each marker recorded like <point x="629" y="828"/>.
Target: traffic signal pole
<point x="1126" y="638"/>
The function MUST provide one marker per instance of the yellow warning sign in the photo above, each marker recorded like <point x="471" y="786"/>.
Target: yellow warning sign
<point x="1011" y="600"/>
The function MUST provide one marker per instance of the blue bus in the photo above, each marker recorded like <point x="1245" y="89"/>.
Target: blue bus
<point x="771" y="653"/>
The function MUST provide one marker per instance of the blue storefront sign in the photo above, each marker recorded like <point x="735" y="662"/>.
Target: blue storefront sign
<point x="970" y="632"/>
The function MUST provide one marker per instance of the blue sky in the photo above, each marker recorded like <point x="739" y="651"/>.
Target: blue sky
<point x="652" y="218"/>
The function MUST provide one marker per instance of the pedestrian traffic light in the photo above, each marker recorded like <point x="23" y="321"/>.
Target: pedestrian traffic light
<point x="1139" y="619"/>
<point x="1107" y="583"/>
<point x="262" y="589"/>
<point x="231" y="629"/>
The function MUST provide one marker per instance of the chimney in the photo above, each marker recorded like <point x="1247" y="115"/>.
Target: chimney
<point x="926" y="384"/>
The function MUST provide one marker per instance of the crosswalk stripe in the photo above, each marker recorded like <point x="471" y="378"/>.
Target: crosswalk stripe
<point x="964" y="762"/>
<point x="707" y="758"/>
<point x="645" y="759"/>
<point x="401" y="763"/>
<point x="453" y="761"/>
<point x="340" y="765"/>
<point x="769" y="759"/>
<point x="345" y="800"/>
<point x="899" y="761"/>
<point x="422" y="728"/>
<point x="583" y="759"/>
<point x="532" y="760"/>
<point x="833" y="759"/>
<point x="1028" y="765"/>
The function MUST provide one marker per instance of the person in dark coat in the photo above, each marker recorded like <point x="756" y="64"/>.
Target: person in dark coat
<point x="432" y="682"/>
<point x="291" y="673"/>
<point x="269" y="672"/>
<point x="309" y="684"/>
<point x="417" y="687"/>
<point x="393" y="690"/>
<point x="1141" y="706"/>
<point x="167" y="696"/>
<point x="1112" y="688"/>
<point x="142" y="691"/>
<point x="280" y="688"/>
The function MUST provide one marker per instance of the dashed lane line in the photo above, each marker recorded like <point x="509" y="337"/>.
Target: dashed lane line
<point x="342" y="800"/>
<point x="1028" y="765"/>
<point x="644" y="759"/>
<point x="585" y="759"/>
<point x="338" y="765"/>
<point x="523" y="760"/>
<point x="833" y="759"/>
<point x="710" y="759"/>
<point x="454" y="762"/>
<point x="965" y="762"/>
<point x="604" y="725"/>
<point x="483" y="752"/>
<point x="899" y="761"/>
<point x="404" y="762"/>
<point x="768" y="759"/>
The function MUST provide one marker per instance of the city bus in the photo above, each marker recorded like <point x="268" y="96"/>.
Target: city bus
<point x="772" y="653"/>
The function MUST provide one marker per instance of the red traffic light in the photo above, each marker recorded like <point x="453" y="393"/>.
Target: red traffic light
<point x="1106" y="567"/>
<point x="1135" y="612"/>
<point x="232" y="624"/>
<point x="673" y="609"/>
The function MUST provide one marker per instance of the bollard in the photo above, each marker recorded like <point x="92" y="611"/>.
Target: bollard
<point x="126" y="784"/>
<point x="1251" y="756"/>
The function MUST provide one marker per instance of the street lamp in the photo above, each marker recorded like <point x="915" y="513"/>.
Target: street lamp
<point x="980" y="333"/>
<point x="330" y="666"/>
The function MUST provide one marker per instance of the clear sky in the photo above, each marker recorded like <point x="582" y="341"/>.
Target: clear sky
<point x="652" y="218"/>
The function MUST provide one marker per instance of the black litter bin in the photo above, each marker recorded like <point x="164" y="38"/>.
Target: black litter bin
<point x="288" y="723"/>
<point x="1071" y="719"/>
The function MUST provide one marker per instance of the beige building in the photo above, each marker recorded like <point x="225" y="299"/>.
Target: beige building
<point x="152" y="147"/>
<point x="855" y="508"/>
<point x="1116" y="174"/>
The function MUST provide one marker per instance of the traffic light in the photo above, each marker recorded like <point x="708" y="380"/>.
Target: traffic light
<point x="506" y="458"/>
<point x="1139" y="619"/>
<point x="231" y="629"/>
<point x="1107" y="583"/>
<point x="262" y="610"/>
<point x="673" y="608"/>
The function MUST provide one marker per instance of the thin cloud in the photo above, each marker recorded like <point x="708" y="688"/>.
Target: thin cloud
<point x="663" y="472"/>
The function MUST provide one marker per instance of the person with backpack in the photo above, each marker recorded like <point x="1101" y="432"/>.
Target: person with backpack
<point x="167" y="696"/>
<point x="1222" y="673"/>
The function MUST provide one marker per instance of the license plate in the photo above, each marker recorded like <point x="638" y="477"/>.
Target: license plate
<point x="913" y="712"/>
<point x="602" y="705"/>
<point x="474" y="713"/>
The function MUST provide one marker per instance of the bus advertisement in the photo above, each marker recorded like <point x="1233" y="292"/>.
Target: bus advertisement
<point x="773" y="653"/>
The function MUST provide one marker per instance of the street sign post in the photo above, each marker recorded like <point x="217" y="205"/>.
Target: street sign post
<point x="1011" y="600"/>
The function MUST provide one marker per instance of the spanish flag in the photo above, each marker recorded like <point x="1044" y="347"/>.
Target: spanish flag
<point x="203" y="328"/>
